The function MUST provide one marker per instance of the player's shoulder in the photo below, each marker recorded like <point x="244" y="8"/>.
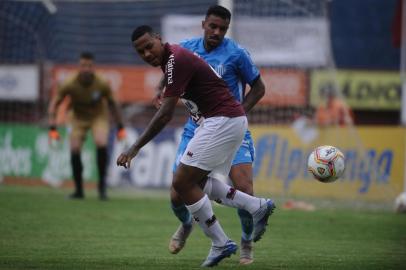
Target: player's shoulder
<point x="182" y="55"/>
<point x="69" y="82"/>
<point x="233" y="46"/>
<point x="234" y="49"/>
<point x="99" y="78"/>
<point x="191" y="43"/>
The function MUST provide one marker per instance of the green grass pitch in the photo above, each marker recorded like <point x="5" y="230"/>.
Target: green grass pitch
<point x="41" y="229"/>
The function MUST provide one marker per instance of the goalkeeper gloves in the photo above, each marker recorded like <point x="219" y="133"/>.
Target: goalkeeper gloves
<point x="53" y="133"/>
<point x="121" y="133"/>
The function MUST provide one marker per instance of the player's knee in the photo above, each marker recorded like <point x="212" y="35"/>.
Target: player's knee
<point x="175" y="197"/>
<point x="179" y="185"/>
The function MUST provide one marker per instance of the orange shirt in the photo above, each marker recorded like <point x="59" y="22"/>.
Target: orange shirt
<point x="334" y="112"/>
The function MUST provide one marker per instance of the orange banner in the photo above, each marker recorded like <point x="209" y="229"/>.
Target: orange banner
<point x="137" y="83"/>
<point x="284" y="87"/>
<point x="129" y="83"/>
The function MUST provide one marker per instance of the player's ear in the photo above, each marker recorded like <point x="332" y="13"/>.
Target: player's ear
<point x="203" y="24"/>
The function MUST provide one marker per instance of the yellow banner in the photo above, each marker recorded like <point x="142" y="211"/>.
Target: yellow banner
<point x="374" y="163"/>
<point x="377" y="90"/>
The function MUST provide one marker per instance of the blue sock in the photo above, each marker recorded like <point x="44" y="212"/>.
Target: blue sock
<point x="182" y="214"/>
<point x="247" y="224"/>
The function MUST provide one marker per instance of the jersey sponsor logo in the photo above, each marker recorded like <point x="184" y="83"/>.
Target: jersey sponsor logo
<point x="169" y="68"/>
<point x="190" y="154"/>
<point x="221" y="70"/>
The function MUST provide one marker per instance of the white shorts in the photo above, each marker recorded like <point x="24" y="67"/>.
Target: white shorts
<point x="215" y="143"/>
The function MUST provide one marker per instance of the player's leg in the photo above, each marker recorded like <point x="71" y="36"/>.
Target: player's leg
<point x="178" y="206"/>
<point x="186" y="184"/>
<point x="230" y="196"/>
<point x="215" y="142"/>
<point x="178" y="239"/>
<point x="259" y="208"/>
<point x="100" y="130"/>
<point x="242" y="178"/>
<point x="76" y="138"/>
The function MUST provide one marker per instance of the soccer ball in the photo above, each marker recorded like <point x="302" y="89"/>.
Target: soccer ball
<point x="326" y="163"/>
<point x="400" y="203"/>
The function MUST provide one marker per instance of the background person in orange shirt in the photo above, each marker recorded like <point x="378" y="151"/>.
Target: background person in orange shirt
<point x="333" y="111"/>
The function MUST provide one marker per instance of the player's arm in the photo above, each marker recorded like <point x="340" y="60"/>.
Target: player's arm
<point x="53" y="106"/>
<point x="157" y="100"/>
<point x="158" y="122"/>
<point x="118" y="118"/>
<point x="256" y="92"/>
<point x="250" y="73"/>
<point x="115" y="111"/>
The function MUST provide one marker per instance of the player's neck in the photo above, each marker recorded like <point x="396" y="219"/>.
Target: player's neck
<point x="207" y="47"/>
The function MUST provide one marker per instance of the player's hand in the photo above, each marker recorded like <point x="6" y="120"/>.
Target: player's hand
<point x="157" y="100"/>
<point x="125" y="158"/>
<point x="121" y="132"/>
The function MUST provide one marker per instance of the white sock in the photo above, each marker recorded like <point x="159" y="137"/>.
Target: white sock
<point x="203" y="214"/>
<point x="227" y="195"/>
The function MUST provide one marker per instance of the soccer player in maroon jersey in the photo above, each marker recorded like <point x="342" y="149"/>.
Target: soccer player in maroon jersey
<point x="222" y="127"/>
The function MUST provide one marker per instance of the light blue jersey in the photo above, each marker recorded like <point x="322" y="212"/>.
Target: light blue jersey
<point x="234" y="65"/>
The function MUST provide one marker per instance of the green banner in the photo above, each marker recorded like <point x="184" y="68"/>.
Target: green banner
<point x="374" y="90"/>
<point x="25" y="152"/>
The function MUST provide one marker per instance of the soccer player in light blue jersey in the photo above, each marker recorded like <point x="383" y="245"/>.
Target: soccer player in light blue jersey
<point x="234" y="65"/>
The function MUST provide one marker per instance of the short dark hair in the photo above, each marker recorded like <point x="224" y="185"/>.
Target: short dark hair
<point x="140" y="31"/>
<point x="219" y="11"/>
<point x="87" y="56"/>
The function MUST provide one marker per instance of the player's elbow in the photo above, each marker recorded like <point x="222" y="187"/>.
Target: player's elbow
<point x="261" y="92"/>
<point x="259" y="89"/>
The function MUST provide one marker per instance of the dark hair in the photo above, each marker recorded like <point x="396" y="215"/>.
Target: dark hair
<point x="87" y="55"/>
<point x="140" y="31"/>
<point x="219" y="11"/>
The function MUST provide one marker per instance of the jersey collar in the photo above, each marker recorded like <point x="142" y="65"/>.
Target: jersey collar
<point x="202" y="49"/>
